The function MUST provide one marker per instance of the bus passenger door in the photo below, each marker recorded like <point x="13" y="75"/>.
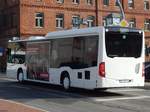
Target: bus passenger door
<point x="38" y="60"/>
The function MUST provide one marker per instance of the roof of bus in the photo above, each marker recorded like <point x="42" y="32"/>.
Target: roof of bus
<point x="64" y="33"/>
<point x="74" y="32"/>
<point x="87" y="31"/>
<point x="32" y="38"/>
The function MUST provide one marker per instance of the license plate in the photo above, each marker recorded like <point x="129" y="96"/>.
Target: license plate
<point x="125" y="81"/>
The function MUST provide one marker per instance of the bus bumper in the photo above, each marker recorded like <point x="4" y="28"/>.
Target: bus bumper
<point x="113" y="83"/>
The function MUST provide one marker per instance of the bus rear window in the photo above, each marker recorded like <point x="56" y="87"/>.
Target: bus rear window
<point x="123" y="44"/>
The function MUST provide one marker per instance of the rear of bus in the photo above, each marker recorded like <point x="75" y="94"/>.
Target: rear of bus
<point x="121" y="64"/>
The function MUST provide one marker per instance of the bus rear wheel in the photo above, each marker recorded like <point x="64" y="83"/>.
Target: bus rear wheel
<point x="66" y="83"/>
<point x="20" y="76"/>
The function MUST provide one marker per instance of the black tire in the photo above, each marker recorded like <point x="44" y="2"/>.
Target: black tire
<point x="66" y="83"/>
<point x="20" y="76"/>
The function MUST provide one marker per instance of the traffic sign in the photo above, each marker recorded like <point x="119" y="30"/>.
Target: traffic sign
<point x="124" y="23"/>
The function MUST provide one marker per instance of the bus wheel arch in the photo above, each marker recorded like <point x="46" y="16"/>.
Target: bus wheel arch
<point x="20" y="75"/>
<point x="65" y="80"/>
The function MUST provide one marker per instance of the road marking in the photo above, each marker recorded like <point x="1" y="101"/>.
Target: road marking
<point x="20" y="87"/>
<point x="28" y="106"/>
<point x="124" y="98"/>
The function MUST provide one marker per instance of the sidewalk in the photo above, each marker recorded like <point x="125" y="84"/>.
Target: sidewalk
<point x="11" y="106"/>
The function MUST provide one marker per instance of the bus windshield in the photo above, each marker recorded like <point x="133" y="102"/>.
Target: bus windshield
<point x="127" y="44"/>
<point x="16" y="58"/>
<point x="16" y="53"/>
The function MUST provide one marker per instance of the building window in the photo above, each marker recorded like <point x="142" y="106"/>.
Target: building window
<point x="116" y="3"/>
<point x="106" y="2"/>
<point x="39" y="19"/>
<point x="146" y="5"/>
<point x="75" y="1"/>
<point x="60" y="21"/>
<point x="147" y="24"/>
<point x="131" y="3"/>
<point x="60" y="1"/>
<point x="132" y="23"/>
<point x="89" y="2"/>
<point x="76" y="21"/>
<point x="104" y="21"/>
<point x="90" y="21"/>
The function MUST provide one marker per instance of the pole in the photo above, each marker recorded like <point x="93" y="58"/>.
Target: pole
<point x="96" y="10"/>
<point x="121" y="9"/>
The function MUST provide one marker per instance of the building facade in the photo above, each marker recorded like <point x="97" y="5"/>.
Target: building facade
<point x="24" y="18"/>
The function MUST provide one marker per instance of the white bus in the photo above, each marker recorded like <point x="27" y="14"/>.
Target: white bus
<point x="90" y="58"/>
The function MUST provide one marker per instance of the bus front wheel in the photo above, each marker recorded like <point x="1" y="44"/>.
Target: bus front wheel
<point x="20" y="76"/>
<point x="66" y="83"/>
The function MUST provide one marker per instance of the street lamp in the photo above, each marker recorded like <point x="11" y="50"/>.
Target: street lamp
<point x="115" y="19"/>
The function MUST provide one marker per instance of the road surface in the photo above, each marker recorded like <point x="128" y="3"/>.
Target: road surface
<point x="48" y="98"/>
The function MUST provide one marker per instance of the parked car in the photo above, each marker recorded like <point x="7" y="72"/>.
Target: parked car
<point x="147" y="70"/>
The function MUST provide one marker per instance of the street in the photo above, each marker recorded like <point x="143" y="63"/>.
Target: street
<point x="54" y="99"/>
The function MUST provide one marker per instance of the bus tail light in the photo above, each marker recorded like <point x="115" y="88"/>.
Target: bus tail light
<point x="143" y="72"/>
<point x="102" y="69"/>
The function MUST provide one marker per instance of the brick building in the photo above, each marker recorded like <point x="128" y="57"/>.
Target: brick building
<point x="24" y="18"/>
